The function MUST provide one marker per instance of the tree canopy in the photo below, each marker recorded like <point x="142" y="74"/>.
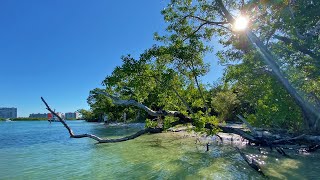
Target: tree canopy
<point x="272" y="74"/>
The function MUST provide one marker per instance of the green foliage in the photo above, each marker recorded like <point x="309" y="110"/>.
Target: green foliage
<point x="280" y="26"/>
<point x="87" y="115"/>
<point x="201" y="120"/>
<point x="168" y="76"/>
<point x="168" y="121"/>
<point x="150" y="123"/>
<point x="225" y="103"/>
<point x="267" y="104"/>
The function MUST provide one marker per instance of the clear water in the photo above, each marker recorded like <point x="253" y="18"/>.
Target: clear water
<point x="38" y="150"/>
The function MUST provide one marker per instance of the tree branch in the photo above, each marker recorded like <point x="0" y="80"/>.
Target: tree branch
<point x="298" y="47"/>
<point x="248" y="125"/>
<point x="195" y="31"/>
<point x="131" y="102"/>
<point x="224" y="11"/>
<point x="183" y="119"/>
<point x="252" y="163"/>
<point x="207" y="21"/>
<point x="101" y="140"/>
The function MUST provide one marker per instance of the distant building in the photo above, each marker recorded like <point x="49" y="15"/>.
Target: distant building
<point x="72" y="115"/>
<point x="38" y="115"/>
<point x="61" y="115"/>
<point x="53" y="117"/>
<point x="8" y="112"/>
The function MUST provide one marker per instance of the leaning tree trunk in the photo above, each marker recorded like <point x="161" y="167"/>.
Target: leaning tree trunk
<point x="254" y="137"/>
<point x="310" y="113"/>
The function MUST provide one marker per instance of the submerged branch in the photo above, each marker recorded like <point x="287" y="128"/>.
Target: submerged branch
<point x="252" y="163"/>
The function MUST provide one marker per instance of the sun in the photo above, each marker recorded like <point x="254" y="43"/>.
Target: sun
<point x="241" y="23"/>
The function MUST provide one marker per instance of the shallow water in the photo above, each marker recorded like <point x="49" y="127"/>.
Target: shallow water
<point x="39" y="150"/>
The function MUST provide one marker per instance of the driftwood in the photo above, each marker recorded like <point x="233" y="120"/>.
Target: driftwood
<point x="251" y="162"/>
<point x="101" y="140"/>
<point x="281" y="151"/>
<point x="288" y="139"/>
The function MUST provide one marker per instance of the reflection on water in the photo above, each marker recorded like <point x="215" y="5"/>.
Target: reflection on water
<point x="38" y="150"/>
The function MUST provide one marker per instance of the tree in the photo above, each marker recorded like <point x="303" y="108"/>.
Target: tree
<point x="269" y="20"/>
<point x="87" y="115"/>
<point x="164" y="80"/>
<point x="225" y="103"/>
<point x="157" y="82"/>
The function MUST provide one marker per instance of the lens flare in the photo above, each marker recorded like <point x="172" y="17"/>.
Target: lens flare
<point x="241" y="23"/>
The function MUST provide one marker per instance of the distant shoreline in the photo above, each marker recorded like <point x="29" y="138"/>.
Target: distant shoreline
<point x="31" y="119"/>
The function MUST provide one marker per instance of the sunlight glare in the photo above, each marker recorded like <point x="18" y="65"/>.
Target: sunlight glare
<point x="241" y="23"/>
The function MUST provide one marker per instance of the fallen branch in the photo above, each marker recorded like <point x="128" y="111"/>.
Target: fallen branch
<point x="131" y="102"/>
<point x="183" y="119"/>
<point x="101" y="140"/>
<point x="254" y="132"/>
<point x="251" y="162"/>
<point x="281" y="151"/>
<point x="266" y="140"/>
<point x="288" y="139"/>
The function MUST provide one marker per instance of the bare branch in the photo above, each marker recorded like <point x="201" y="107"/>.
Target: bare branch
<point x="131" y="102"/>
<point x="60" y="119"/>
<point x="101" y="140"/>
<point x="182" y="120"/>
<point x="195" y="31"/>
<point x="207" y="21"/>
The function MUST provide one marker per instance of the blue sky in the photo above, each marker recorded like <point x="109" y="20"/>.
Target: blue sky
<point x="62" y="49"/>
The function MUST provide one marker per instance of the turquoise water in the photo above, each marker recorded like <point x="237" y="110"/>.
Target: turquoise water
<point x="39" y="150"/>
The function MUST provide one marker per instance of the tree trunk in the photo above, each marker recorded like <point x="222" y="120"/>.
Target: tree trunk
<point x="310" y="114"/>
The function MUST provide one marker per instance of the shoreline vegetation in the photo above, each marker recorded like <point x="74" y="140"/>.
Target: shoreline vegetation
<point x="281" y="142"/>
